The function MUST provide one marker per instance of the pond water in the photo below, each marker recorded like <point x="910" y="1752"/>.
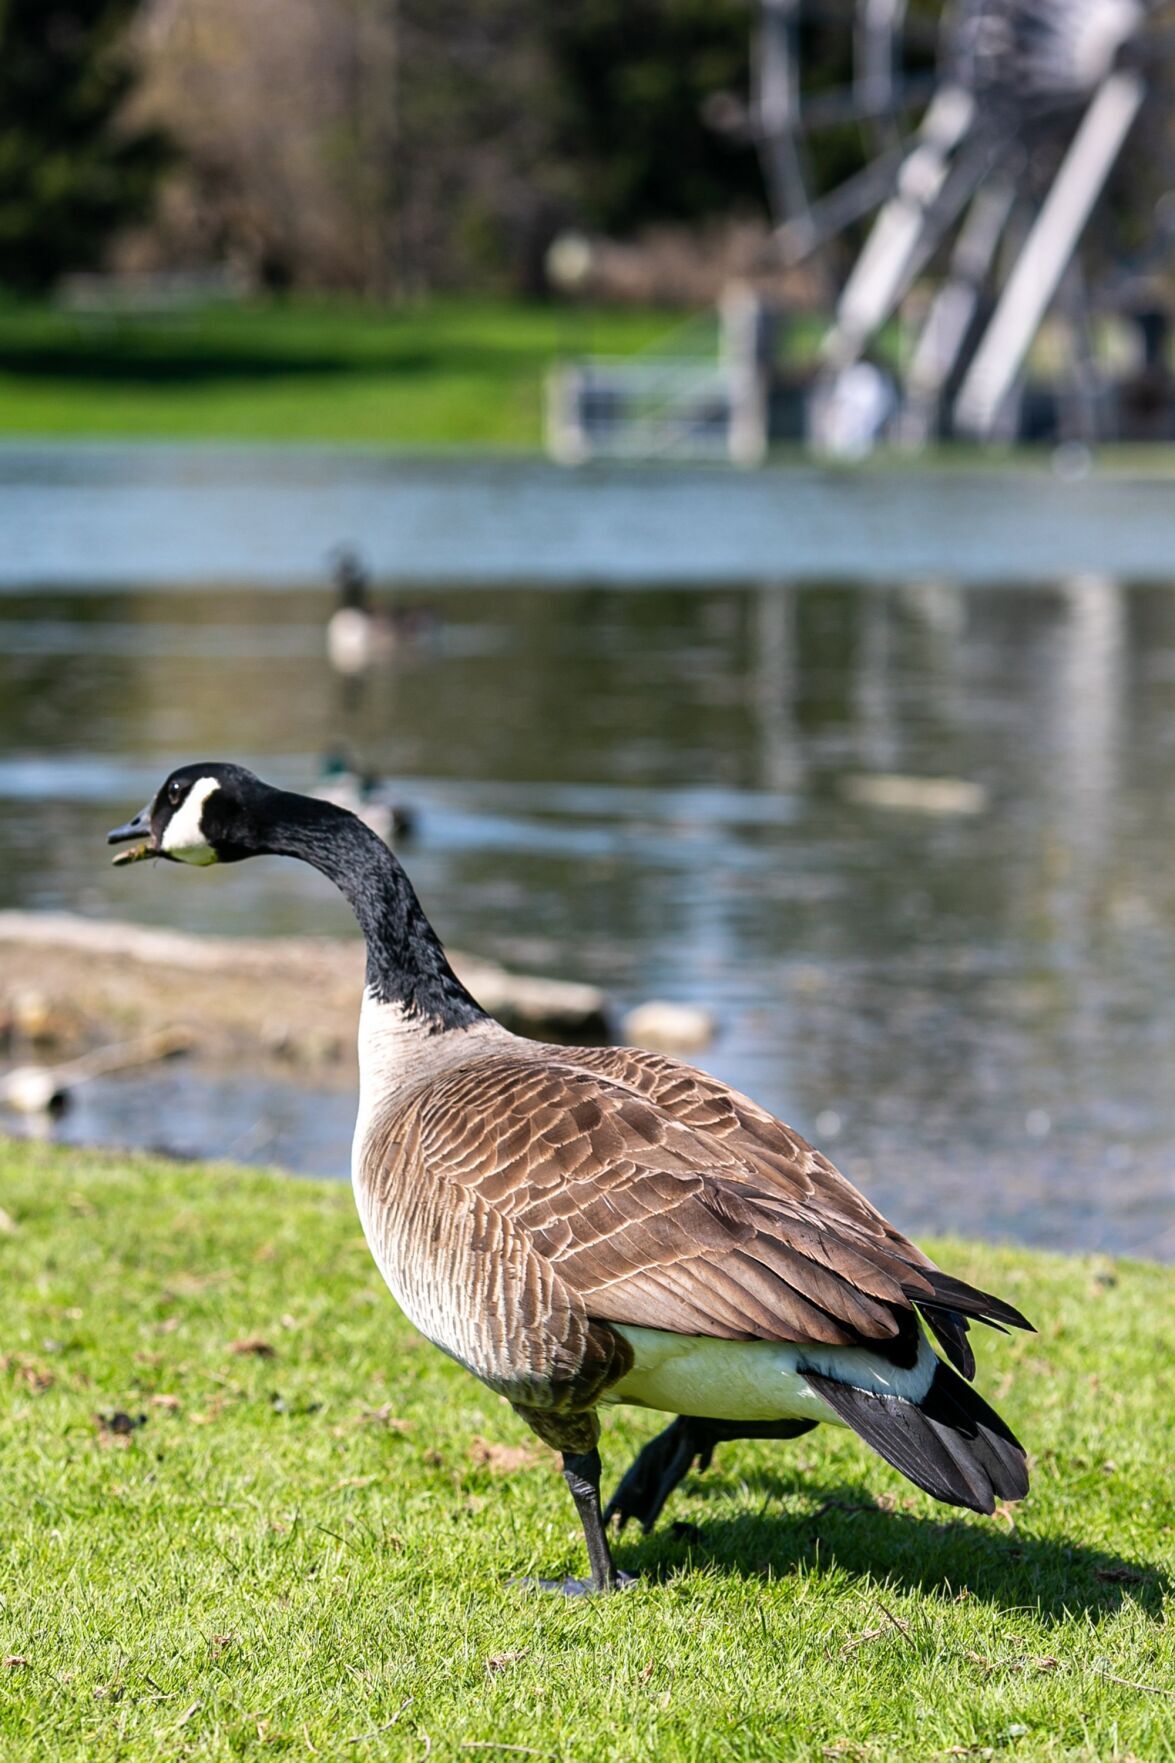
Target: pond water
<point x="673" y="790"/>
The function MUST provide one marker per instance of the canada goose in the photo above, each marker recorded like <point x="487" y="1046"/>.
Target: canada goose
<point x="595" y="1225"/>
<point x="364" y="794"/>
<point x="358" y="634"/>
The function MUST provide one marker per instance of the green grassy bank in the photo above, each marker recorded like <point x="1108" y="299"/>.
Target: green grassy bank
<point x="447" y="373"/>
<point x="463" y="374"/>
<point x="303" y="1548"/>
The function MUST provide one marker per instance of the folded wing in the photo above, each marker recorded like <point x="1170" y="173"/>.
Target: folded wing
<point x="659" y="1204"/>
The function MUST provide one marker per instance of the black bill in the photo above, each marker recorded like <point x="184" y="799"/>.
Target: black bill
<point x="137" y="829"/>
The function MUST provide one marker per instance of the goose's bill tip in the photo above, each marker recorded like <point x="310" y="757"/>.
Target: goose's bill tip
<point x="137" y="829"/>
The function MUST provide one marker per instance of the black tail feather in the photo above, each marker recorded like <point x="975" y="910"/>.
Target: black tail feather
<point x="950" y="1443"/>
<point x="950" y="1331"/>
<point x="947" y="1311"/>
<point x="954" y="1294"/>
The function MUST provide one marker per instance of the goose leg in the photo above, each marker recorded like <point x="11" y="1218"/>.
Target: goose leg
<point x="574" y="1435"/>
<point x="581" y="1472"/>
<point x="668" y="1459"/>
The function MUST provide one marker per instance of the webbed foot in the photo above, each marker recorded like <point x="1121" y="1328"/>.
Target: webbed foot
<point x="577" y="1588"/>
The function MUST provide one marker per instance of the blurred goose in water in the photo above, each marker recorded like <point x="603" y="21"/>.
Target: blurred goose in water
<point x="365" y="795"/>
<point x="583" y="1226"/>
<point x="358" y="634"/>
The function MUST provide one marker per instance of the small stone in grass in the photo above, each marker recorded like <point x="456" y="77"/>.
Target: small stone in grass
<point x="254" y="1344"/>
<point x="14" y="1661"/>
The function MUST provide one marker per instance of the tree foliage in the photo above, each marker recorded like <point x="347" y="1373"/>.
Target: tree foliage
<point x="70" y="172"/>
<point x="635" y="79"/>
<point x="393" y="145"/>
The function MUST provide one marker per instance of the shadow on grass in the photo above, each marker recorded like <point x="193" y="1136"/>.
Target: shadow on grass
<point x="179" y="364"/>
<point x="846" y="1531"/>
<point x="181" y="361"/>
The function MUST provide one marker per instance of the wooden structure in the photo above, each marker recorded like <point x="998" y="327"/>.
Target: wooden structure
<point x="990" y="135"/>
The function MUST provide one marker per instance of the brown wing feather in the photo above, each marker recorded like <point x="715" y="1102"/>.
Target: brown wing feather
<point x="659" y="1216"/>
<point x="771" y="1155"/>
<point x="827" y="1218"/>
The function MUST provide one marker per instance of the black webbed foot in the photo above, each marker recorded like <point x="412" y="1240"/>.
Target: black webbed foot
<point x="668" y="1459"/>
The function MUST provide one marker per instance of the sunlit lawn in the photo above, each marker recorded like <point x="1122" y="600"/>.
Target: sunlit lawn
<point x="246" y="1512"/>
<point x="451" y="373"/>
<point x="441" y="373"/>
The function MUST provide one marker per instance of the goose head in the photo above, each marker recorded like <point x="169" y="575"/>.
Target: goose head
<point x="219" y="813"/>
<point x="351" y="582"/>
<point x="202" y="814"/>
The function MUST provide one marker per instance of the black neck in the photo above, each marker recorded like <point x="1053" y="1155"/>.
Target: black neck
<point x="405" y="961"/>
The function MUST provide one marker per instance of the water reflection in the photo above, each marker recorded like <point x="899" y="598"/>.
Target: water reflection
<point x="648" y="789"/>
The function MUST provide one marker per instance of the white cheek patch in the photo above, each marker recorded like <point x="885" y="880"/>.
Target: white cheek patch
<point x="183" y="836"/>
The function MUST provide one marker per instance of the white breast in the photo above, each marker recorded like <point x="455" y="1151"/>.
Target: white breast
<point x="348" y="640"/>
<point x="397" y="1055"/>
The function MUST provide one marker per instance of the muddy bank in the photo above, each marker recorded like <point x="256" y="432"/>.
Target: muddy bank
<point x="69" y="984"/>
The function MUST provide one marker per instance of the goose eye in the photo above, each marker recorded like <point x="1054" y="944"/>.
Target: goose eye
<point x="175" y="792"/>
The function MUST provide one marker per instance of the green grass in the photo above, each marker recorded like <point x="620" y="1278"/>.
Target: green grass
<point x="307" y="1553"/>
<point x="456" y="373"/>
<point x="442" y="373"/>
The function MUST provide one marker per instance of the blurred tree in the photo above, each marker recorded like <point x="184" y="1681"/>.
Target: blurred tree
<point x="71" y="172"/>
<point x="391" y="146"/>
<point x="284" y="112"/>
<point x="635" y="77"/>
<point x="382" y="146"/>
<point x="485" y="185"/>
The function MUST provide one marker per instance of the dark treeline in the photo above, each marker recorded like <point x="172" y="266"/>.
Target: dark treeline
<point x="73" y="167"/>
<point x="381" y="146"/>
<point x="393" y="145"/>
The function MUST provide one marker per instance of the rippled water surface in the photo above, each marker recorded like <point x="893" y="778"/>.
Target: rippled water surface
<point x="969" y="1001"/>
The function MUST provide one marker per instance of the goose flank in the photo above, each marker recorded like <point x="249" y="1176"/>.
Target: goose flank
<point x="583" y="1226"/>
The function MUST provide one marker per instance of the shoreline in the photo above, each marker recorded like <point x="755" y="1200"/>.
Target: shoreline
<point x="285" y="1006"/>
